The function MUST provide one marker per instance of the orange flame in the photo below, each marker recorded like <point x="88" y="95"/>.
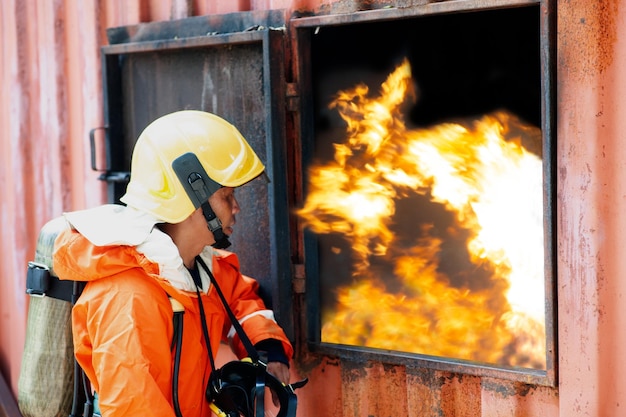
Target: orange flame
<point x="492" y="186"/>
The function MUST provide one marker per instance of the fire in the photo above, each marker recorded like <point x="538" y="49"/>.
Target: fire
<point x="477" y="175"/>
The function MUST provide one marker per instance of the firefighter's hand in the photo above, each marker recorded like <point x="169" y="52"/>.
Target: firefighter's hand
<point x="281" y="372"/>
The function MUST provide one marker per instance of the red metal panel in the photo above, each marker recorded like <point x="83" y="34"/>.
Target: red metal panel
<point x="460" y="397"/>
<point x="325" y="400"/>
<point x="591" y="206"/>
<point x="49" y="75"/>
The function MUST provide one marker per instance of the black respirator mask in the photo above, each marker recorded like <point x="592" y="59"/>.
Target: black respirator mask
<point x="199" y="187"/>
<point x="238" y="389"/>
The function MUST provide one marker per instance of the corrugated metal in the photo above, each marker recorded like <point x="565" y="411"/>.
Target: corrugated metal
<point x="52" y="96"/>
<point x="591" y="128"/>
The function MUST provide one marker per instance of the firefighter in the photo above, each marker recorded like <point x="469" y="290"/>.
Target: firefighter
<point x="180" y="209"/>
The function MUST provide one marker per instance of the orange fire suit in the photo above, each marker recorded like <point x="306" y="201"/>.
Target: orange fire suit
<point x="123" y="321"/>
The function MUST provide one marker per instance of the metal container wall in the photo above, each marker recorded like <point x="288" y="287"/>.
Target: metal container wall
<point x="50" y="78"/>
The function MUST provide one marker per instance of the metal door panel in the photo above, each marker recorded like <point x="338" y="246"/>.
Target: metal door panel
<point x="237" y="75"/>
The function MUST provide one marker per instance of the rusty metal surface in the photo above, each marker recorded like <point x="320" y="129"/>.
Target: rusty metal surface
<point x="413" y="10"/>
<point x="590" y="113"/>
<point x="371" y="388"/>
<point x="547" y="50"/>
<point x="196" y="26"/>
<point x="42" y="97"/>
<point x="356" y="354"/>
<point x="252" y="36"/>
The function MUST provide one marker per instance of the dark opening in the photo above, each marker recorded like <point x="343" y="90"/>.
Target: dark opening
<point x="464" y="64"/>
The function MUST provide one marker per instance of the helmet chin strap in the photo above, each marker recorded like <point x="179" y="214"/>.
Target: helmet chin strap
<point x="215" y="226"/>
<point x="199" y="187"/>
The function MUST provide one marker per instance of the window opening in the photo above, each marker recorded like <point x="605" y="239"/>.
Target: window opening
<point x="424" y="190"/>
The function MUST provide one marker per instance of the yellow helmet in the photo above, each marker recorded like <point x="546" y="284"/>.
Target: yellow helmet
<point x="177" y="146"/>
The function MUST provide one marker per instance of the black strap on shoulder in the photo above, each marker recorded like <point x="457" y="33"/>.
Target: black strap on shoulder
<point x="259" y="389"/>
<point x="205" y="329"/>
<point x="177" y="346"/>
<point x="252" y="352"/>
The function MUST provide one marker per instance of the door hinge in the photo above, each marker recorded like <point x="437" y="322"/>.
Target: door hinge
<point x="292" y="97"/>
<point x="299" y="279"/>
